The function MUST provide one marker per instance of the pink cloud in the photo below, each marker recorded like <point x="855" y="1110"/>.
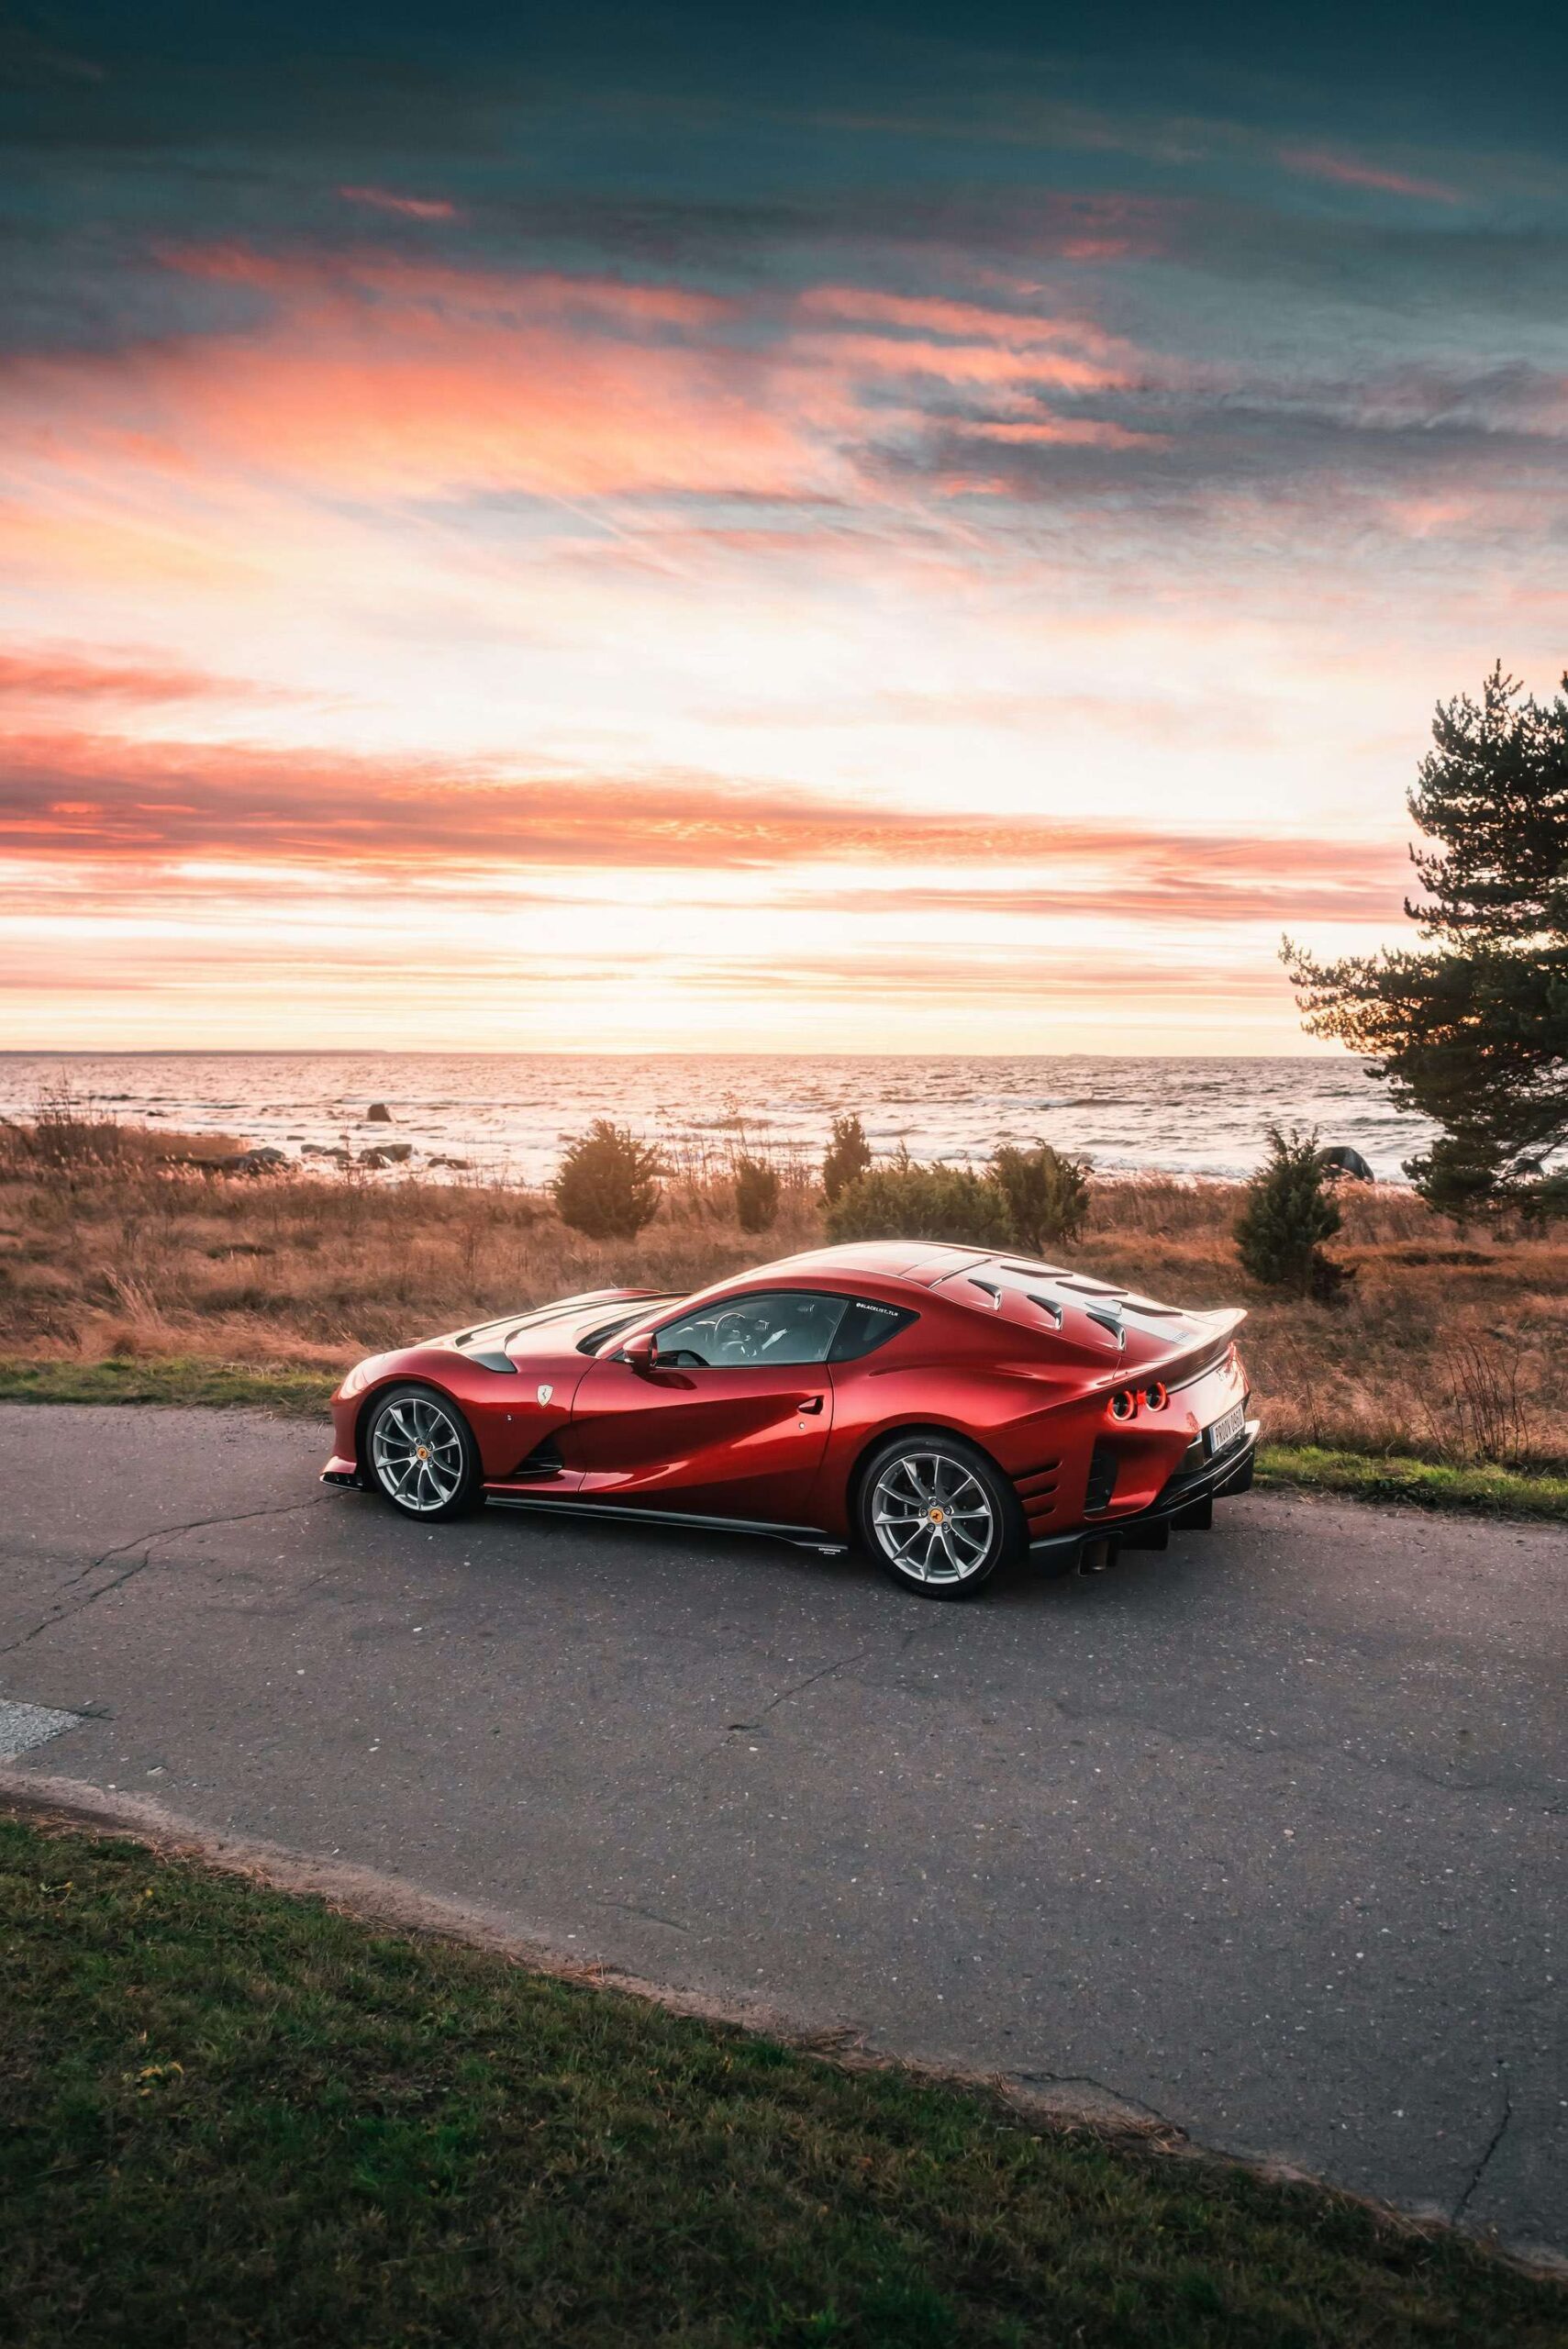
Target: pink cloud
<point x="412" y="208"/>
<point x="1343" y="171"/>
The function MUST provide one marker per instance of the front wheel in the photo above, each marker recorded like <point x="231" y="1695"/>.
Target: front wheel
<point x="420" y="1451"/>
<point x="938" y="1515"/>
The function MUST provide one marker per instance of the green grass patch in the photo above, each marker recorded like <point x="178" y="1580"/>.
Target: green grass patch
<point x="1510" y="1492"/>
<point x="173" y="1378"/>
<point x="228" y="2115"/>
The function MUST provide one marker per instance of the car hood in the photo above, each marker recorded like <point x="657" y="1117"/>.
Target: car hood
<point x="546" y="1331"/>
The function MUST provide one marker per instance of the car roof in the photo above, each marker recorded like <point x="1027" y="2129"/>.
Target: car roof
<point x="970" y="1275"/>
<point x="920" y="1262"/>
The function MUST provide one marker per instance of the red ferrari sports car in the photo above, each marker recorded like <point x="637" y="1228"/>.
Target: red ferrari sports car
<point x="947" y="1409"/>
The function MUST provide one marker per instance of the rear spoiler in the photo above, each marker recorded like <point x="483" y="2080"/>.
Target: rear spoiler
<point x="1189" y="1361"/>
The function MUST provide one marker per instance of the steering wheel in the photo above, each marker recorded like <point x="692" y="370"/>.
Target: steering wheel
<point x="735" y="1337"/>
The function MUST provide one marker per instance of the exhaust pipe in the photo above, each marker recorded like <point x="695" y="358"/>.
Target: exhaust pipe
<point x="1096" y="1556"/>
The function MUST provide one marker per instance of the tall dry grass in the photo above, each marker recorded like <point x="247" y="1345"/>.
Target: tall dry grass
<point x="1451" y="1346"/>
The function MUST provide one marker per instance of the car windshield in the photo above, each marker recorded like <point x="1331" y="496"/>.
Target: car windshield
<point x="785" y="1326"/>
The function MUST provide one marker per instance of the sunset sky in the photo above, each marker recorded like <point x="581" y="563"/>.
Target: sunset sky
<point x="907" y="528"/>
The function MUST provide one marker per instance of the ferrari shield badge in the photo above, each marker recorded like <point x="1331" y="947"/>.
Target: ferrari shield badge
<point x="545" y="1393"/>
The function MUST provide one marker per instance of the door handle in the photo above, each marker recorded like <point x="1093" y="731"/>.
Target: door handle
<point x="812" y="1403"/>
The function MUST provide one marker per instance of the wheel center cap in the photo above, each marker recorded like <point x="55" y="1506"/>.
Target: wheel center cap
<point x="937" y="1516"/>
<point x="421" y="1451"/>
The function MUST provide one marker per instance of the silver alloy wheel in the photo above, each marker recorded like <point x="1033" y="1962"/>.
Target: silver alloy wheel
<point x="933" y="1517"/>
<point x="416" y="1453"/>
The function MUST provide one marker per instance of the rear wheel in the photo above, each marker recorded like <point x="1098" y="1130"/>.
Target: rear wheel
<point x="421" y="1454"/>
<point x="938" y="1515"/>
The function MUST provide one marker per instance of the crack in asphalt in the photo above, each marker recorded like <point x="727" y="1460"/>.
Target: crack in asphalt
<point x="840" y="1663"/>
<point x="630" y="1909"/>
<point x="1101" y="2087"/>
<point x="145" y="1543"/>
<point x="1263" y="1749"/>
<point x="782" y="1697"/>
<point x="1499" y="2134"/>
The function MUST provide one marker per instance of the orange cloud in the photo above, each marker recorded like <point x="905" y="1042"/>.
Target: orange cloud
<point x="380" y="377"/>
<point x="52" y="676"/>
<point x="1066" y="431"/>
<point x="928" y="314"/>
<point x="321" y="288"/>
<point x="76" y="795"/>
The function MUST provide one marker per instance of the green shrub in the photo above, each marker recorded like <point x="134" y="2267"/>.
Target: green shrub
<point x="1047" y="1194"/>
<point x="606" y="1184"/>
<point x="756" y="1193"/>
<point x="1290" y="1210"/>
<point x="909" y="1201"/>
<point x="849" y="1157"/>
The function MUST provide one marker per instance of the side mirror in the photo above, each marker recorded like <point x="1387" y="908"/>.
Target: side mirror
<point x="640" y="1350"/>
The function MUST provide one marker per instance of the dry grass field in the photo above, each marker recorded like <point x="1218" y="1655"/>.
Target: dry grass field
<point x="119" y="1244"/>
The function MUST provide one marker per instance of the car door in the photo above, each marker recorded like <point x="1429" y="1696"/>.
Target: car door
<point x="730" y="1418"/>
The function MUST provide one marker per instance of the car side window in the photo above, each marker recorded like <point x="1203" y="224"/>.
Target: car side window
<point x="784" y="1326"/>
<point x="867" y="1326"/>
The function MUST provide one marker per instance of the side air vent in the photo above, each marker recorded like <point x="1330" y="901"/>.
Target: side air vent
<point x="1104" y="1462"/>
<point x="1107" y="1322"/>
<point x="543" y="1461"/>
<point x="990" y="1289"/>
<point x="491" y="1359"/>
<point x="1046" y="1305"/>
<point x="1044" y="1474"/>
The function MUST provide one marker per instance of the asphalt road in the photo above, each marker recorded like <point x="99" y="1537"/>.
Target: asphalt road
<point x="1264" y="1836"/>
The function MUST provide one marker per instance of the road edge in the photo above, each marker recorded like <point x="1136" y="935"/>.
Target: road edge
<point x="374" y="1898"/>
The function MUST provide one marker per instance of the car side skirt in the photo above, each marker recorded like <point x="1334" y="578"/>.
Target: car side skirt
<point x="805" y="1536"/>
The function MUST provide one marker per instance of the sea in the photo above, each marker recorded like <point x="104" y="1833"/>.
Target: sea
<point x="507" y="1115"/>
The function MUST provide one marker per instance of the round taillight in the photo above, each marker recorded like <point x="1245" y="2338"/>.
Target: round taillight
<point x="1156" y="1396"/>
<point x="1124" y="1402"/>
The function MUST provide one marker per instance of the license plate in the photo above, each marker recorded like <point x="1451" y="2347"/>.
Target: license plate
<point x="1221" y="1431"/>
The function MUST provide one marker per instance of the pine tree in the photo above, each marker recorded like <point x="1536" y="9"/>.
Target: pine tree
<point x="1290" y="1211"/>
<point x="606" y="1184"/>
<point x="1046" y="1193"/>
<point x="1473" y="1034"/>
<point x="848" y="1156"/>
<point x="756" y="1194"/>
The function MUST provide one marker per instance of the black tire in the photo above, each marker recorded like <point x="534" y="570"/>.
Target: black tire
<point x="913" y="1476"/>
<point x="441" y="1480"/>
